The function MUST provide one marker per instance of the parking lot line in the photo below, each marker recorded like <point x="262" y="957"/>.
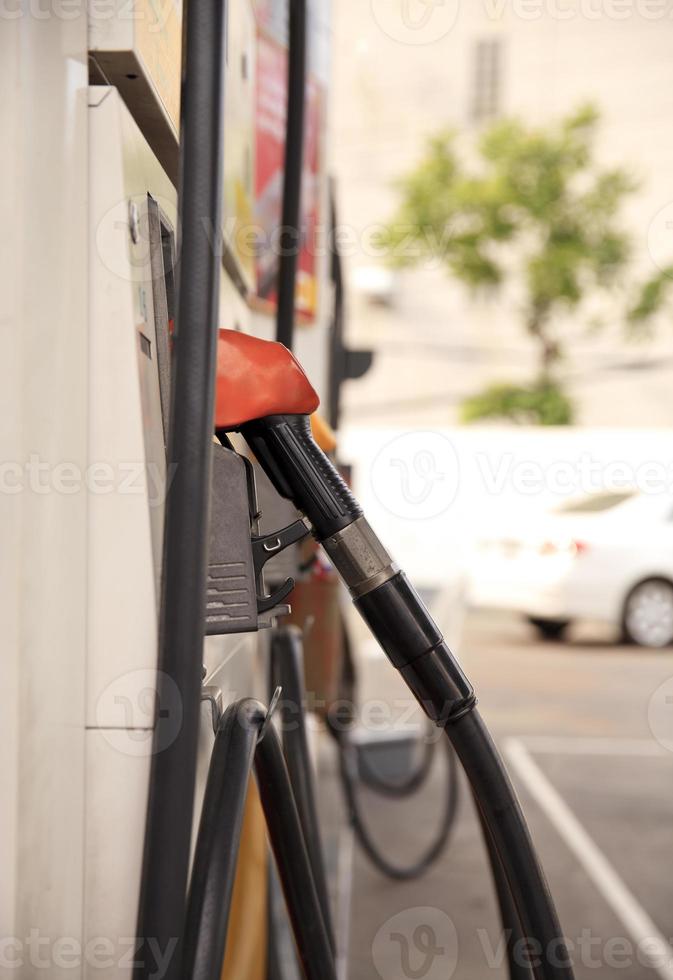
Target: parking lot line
<point x="652" y="945"/>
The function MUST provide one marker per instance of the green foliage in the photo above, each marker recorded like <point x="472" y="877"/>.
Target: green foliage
<point x="541" y="404"/>
<point x="533" y="209"/>
<point x="650" y="298"/>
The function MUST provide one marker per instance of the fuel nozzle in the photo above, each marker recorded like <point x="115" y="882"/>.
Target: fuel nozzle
<point x="283" y="444"/>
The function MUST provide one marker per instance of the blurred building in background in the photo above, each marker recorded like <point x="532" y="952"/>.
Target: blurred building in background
<point x="405" y="70"/>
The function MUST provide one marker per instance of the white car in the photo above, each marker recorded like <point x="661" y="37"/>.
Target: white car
<point x="607" y="557"/>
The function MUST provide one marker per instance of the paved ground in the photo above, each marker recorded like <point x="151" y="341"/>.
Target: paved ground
<point x="575" y="721"/>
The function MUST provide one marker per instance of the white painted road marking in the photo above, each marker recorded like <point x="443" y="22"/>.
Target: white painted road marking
<point x="652" y="944"/>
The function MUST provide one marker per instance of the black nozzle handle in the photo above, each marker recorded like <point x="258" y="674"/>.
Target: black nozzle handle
<point x="301" y="472"/>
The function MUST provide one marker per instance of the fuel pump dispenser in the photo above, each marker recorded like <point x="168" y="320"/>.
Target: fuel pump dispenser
<point x="204" y="552"/>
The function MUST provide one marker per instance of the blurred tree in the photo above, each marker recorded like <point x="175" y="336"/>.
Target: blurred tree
<point x="536" y="211"/>
<point x="650" y="298"/>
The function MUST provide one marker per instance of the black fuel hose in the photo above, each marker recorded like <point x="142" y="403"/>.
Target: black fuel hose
<point x="398" y="790"/>
<point x="518" y="966"/>
<point x="399" y="620"/>
<point x="172" y="779"/>
<point x="216" y="853"/>
<point x="507" y="828"/>
<point x="287" y="672"/>
<point x="354" y="771"/>
<point x="244" y="733"/>
<point x="290" y="232"/>
<point x="348" y="770"/>
<point x="292" y="860"/>
<point x="395" y="789"/>
<point x="412" y="642"/>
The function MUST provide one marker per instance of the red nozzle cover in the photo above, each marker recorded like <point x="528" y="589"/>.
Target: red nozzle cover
<point x="256" y="378"/>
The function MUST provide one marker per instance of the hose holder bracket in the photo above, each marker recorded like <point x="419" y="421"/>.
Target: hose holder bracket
<point x="267" y="546"/>
<point x="236" y="599"/>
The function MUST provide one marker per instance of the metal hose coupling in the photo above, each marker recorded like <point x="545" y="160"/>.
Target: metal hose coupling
<point x="360" y="558"/>
<point x="399" y="620"/>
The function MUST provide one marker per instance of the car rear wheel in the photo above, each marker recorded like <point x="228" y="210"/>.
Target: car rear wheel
<point x="549" y="629"/>
<point x="648" y="614"/>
